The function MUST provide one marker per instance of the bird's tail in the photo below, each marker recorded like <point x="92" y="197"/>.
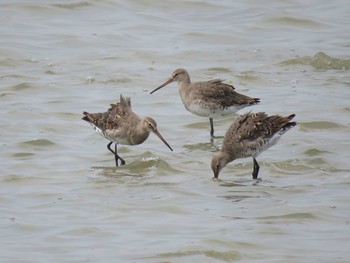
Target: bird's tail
<point x="88" y="117"/>
<point x="290" y="117"/>
<point x="125" y="102"/>
<point x="251" y="101"/>
<point x="255" y="100"/>
<point x="289" y="124"/>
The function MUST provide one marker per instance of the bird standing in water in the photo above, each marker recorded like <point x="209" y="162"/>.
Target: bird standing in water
<point x="248" y="136"/>
<point x="120" y="125"/>
<point x="208" y="98"/>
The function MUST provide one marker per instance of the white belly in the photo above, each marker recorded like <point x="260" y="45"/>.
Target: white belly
<point x="112" y="135"/>
<point x="256" y="148"/>
<point x="206" y="111"/>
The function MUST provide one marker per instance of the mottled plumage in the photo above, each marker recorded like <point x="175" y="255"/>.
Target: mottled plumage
<point x="248" y="136"/>
<point x="208" y="98"/>
<point x="120" y="125"/>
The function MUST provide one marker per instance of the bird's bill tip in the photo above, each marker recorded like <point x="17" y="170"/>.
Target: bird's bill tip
<point x="156" y="132"/>
<point x="163" y="85"/>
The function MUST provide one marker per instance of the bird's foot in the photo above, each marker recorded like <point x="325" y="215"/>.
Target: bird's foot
<point x="257" y="181"/>
<point x="215" y="179"/>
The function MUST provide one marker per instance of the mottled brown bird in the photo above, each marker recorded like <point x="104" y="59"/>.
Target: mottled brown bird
<point x="211" y="99"/>
<point x="120" y="125"/>
<point x="248" y="136"/>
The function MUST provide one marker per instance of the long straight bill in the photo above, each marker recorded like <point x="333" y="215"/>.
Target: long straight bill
<point x="156" y="132"/>
<point x="164" y="84"/>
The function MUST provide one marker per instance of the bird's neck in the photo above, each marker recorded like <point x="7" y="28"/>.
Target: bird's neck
<point x="185" y="81"/>
<point x="139" y="134"/>
<point x="227" y="157"/>
<point x="184" y="87"/>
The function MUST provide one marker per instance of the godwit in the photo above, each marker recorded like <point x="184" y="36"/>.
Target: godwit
<point x="208" y="98"/>
<point x="120" y="125"/>
<point x="248" y="136"/>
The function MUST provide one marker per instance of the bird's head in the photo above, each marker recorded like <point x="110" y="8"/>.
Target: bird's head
<point x="151" y="126"/>
<point x="219" y="161"/>
<point x="178" y="75"/>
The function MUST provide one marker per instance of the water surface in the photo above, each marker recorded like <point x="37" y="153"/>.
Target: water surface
<point x="62" y="199"/>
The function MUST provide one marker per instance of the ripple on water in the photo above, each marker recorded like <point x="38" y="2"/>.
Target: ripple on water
<point x="209" y="146"/>
<point x="249" y="76"/>
<point x="226" y="256"/>
<point x="320" y="61"/>
<point x="38" y="142"/>
<point x="145" y="164"/>
<point x="315" y="152"/>
<point x="219" y="70"/>
<point x="292" y="166"/>
<point x="114" y="81"/>
<point x="320" y="125"/>
<point x="205" y="126"/>
<point x="8" y="62"/>
<point x="240" y="196"/>
<point x="287" y="218"/>
<point x="22" y="86"/>
<point x="23" y="155"/>
<point x="308" y="165"/>
<point x="74" y="6"/>
<point x="19" y="179"/>
<point x="293" y="21"/>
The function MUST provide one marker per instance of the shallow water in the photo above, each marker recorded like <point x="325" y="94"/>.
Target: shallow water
<point x="62" y="199"/>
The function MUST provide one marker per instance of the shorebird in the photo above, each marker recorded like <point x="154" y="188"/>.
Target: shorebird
<point x="248" y="136"/>
<point x="120" y="125"/>
<point x="208" y="98"/>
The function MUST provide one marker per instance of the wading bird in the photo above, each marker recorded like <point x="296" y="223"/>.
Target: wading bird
<point x="248" y="136"/>
<point x="120" y="125"/>
<point x="211" y="99"/>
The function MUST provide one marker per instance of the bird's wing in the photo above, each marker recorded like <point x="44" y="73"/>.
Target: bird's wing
<point x="248" y="126"/>
<point x="253" y="126"/>
<point x="219" y="93"/>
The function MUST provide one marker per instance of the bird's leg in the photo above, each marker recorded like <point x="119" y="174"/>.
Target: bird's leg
<point x="116" y="156"/>
<point x="211" y="127"/>
<point x="256" y="169"/>
<point x="114" y="152"/>
<point x="109" y="147"/>
<point x="122" y="162"/>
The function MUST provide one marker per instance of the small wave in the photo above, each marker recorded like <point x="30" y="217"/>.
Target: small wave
<point x="117" y="81"/>
<point x="142" y="166"/>
<point x="227" y="256"/>
<point x="289" y="217"/>
<point x="22" y="86"/>
<point x="23" y="155"/>
<point x="293" y="21"/>
<point x="220" y="70"/>
<point x="320" y="61"/>
<point x="320" y="125"/>
<point x="315" y="152"/>
<point x="209" y="146"/>
<point x="73" y="6"/>
<point x="39" y="142"/>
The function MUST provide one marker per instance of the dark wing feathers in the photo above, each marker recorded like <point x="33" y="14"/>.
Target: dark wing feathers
<point x="219" y="82"/>
<point x="251" y="126"/>
<point x="290" y="117"/>
<point x="223" y="94"/>
<point x="110" y="118"/>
